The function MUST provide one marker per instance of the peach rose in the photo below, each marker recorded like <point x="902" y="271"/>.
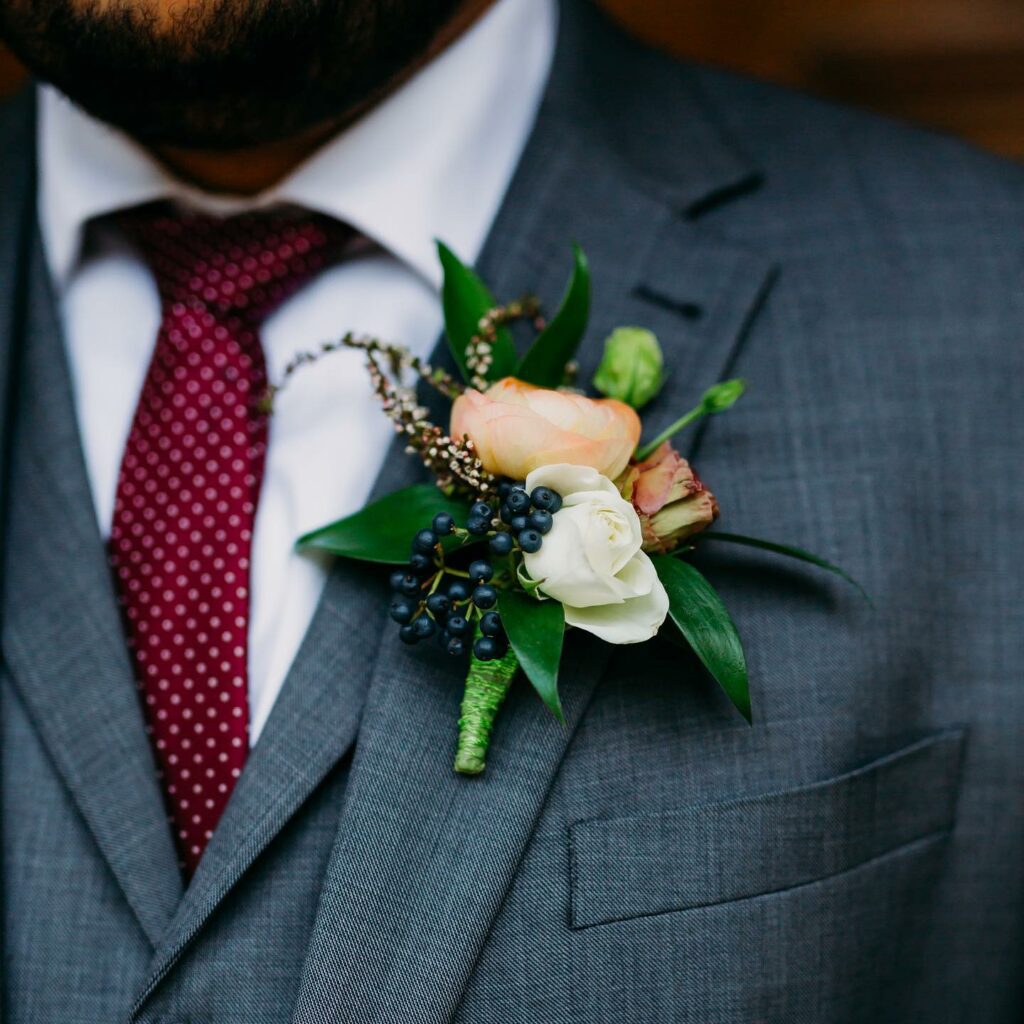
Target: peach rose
<point x="518" y="427"/>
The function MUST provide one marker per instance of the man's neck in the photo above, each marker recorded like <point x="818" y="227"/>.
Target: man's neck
<point x="250" y="171"/>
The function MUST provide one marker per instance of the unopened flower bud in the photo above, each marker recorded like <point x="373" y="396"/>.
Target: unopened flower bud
<point x="723" y="395"/>
<point x="669" y="498"/>
<point x="631" y="369"/>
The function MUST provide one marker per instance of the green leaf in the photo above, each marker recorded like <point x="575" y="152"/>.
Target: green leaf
<point x="701" y="617"/>
<point x="544" y="364"/>
<point x="383" y="531"/>
<point x="465" y="299"/>
<point x="785" y="549"/>
<point x="535" y="630"/>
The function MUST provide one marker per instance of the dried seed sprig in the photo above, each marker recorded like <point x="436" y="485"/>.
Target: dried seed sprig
<point x="480" y="350"/>
<point x="454" y="463"/>
<point x="398" y="357"/>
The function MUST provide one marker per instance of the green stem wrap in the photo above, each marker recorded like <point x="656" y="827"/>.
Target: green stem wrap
<point x="487" y="682"/>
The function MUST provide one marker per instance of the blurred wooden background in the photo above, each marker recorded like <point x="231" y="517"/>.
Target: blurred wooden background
<point x="956" y="64"/>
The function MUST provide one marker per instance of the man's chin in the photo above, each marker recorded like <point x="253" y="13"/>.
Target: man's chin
<point x="224" y="75"/>
<point x="213" y="123"/>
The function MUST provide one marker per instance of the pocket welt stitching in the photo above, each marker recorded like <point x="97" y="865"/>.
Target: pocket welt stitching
<point x="714" y="853"/>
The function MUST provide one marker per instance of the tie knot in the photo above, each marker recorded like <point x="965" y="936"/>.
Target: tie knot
<point x="244" y="265"/>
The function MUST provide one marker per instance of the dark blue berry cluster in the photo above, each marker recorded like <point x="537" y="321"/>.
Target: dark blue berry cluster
<point x="426" y="603"/>
<point x="527" y="516"/>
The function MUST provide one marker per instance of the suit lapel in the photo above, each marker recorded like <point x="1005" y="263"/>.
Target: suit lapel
<point x="423" y="857"/>
<point x="63" y="642"/>
<point x="707" y="291"/>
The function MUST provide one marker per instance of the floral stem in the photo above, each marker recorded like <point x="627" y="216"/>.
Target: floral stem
<point x="719" y="397"/>
<point x="684" y="421"/>
<point x="487" y="683"/>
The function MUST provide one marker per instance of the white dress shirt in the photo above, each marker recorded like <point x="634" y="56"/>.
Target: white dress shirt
<point x="432" y="161"/>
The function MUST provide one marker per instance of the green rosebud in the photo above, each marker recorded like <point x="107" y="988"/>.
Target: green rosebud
<point x="631" y="369"/>
<point x="722" y="395"/>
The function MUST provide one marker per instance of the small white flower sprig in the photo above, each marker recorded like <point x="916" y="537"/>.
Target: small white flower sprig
<point x="547" y="513"/>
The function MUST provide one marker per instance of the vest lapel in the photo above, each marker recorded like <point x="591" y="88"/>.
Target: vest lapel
<point x="312" y="726"/>
<point x="63" y="642"/>
<point x="16" y="208"/>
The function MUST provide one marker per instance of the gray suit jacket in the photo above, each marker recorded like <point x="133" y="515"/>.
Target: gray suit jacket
<point x="855" y="856"/>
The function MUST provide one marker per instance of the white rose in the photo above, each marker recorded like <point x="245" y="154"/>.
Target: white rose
<point x="591" y="561"/>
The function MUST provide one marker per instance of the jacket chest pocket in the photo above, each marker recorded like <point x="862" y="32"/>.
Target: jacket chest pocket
<point x="716" y="853"/>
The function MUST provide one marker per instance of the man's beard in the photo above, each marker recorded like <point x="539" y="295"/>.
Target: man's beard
<point x="223" y="74"/>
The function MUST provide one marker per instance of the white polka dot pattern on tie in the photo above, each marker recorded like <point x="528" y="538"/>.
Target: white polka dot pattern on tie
<point x="188" y="488"/>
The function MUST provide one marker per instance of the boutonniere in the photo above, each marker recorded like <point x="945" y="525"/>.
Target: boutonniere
<point x="547" y="511"/>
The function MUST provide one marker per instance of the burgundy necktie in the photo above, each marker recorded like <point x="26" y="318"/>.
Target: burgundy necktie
<point x="190" y="477"/>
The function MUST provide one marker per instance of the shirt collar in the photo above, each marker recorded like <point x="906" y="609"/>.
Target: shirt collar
<point x="431" y="161"/>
